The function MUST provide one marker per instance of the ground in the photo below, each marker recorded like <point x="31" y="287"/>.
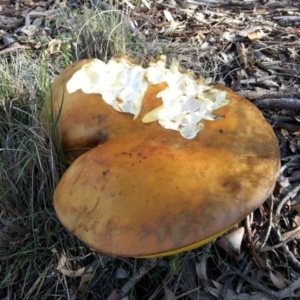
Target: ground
<point x="253" y="47"/>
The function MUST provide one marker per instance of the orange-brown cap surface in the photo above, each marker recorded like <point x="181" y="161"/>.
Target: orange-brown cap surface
<point x="147" y="191"/>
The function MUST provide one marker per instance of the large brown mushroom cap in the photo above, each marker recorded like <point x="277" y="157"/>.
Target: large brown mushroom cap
<point x="152" y="192"/>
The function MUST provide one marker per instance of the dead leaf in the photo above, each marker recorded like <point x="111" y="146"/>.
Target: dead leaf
<point x="247" y="31"/>
<point x="241" y="51"/>
<point x="168" y="293"/>
<point x="277" y="279"/>
<point x="218" y="285"/>
<point x="293" y="52"/>
<point x="85" y="278"/>
<point x="173" y="24"/>
<point x="115" y="295"/>
<point x="213" y="291"/>
<point x="201" y="269"/>
<point x="121" y="273"/>
<point x="295" y="31"/>
<point x="254" y="296"/>
<point x="297" y="217"/>
<point x="293" y="234"/>
<point x="261" y="260"/>
<point x="256" y="35"/>
<point x="201" y="17"/>
<point x="30" y="30"/>
<point x="61" y="266"/>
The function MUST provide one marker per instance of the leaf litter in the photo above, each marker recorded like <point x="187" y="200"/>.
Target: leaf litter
<point x="253" y="47"/>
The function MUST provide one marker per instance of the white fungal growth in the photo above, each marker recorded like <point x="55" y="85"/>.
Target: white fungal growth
<point x="186" y="102"/>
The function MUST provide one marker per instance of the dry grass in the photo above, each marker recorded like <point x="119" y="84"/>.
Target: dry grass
<point x="38" y="258"/>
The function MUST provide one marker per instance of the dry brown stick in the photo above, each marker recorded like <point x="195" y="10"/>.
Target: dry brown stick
<point x="287" y="119"/>
<point x="283" y="103"/>
<point x="14" y="48"/>
<point x="287" y="126"/>
<point x="287" y="18"/>
<point x="261" y="94"/>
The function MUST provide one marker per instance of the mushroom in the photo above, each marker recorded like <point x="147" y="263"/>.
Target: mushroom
<point x="158" y="182"/>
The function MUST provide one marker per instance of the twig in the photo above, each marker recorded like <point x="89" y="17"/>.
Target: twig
<point x="14" y="48"/>
<point x="292" y="194"/>
<point x="147" y="265"/>
<point x="285" y="249"/>
<point x="287" y="126"/>
<point x="274" y="70"/>
<point x="227" y="285"/>
<point x="271" y="248"/>
<point x="283" y="103"/>
<point x="295" y="178"/>
<point x="188" y="292"/>
<point x="240" y="49"/>
<point x="289" y="291"/>
<point x="270" y="222"/>
<point x="258" y="285"/>
<point x="292" y="260"/>
<point x="250" y="240"/>
<point x="37" y="14"/>
<point x="144" y="269"/>
<point x="12" y="44"/>
<point x="257" y="80"/>
<point x="262" y="94"/>
<point x="287" y="18"/>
